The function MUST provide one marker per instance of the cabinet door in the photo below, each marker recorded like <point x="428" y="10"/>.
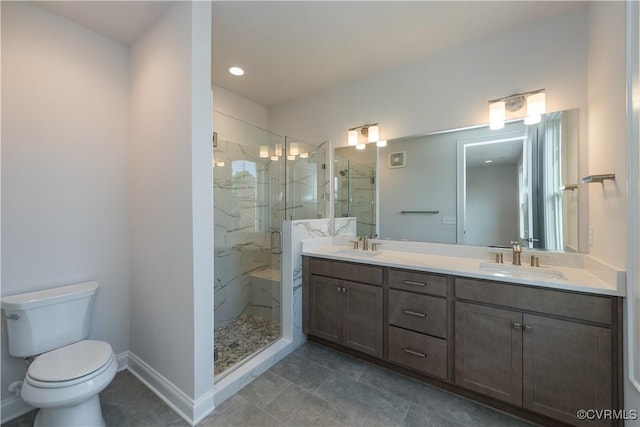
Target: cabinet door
<point x="488" y="350"/>
<point x="325" y="308"/>
<point x="567" y="367"/>
<point x="363" y="318"/>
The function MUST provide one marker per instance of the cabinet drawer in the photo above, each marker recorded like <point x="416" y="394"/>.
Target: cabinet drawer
<point x="418" y="282"/>
<point x="419" y="352"/>
<point x="565" y="304"/>
<point x="346" y="271"/>
<point x="421" y="313"/>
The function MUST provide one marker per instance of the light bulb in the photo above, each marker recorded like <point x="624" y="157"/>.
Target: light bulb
<point x="532" y="120"/>
<point x="374" y="133"/>
<point x="536" y="104"/>
<point x="496" y="115"/>
<point x="236" y="71"/>
<point x="264" y="151"/>
<point x="352" y="137"/>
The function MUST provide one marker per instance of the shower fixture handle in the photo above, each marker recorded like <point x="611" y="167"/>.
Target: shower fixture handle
<point x="276" y="249"/>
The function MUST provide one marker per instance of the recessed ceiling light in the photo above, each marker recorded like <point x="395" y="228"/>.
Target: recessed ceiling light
<point x="236" y="71"/>
<point x="488" y="161"/>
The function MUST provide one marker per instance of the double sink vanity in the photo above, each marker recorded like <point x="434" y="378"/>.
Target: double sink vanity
<point x="539" y="342"/>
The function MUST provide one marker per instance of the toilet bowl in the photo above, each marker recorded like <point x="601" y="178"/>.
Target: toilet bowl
<point x="65" y="383"/>
<point x="68" y="371"/>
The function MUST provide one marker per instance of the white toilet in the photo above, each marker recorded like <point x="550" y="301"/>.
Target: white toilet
<point x="68" y="371"/>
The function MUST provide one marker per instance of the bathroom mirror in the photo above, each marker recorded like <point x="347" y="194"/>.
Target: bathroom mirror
<point x="470" y="186"/>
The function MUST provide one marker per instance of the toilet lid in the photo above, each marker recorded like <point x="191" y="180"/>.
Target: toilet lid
<point x="70" y="362"/>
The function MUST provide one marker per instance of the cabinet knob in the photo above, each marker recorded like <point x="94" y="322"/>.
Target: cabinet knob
<point x="517" y="326"/>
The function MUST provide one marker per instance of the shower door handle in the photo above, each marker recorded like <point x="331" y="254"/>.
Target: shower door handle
<point x="276" y="249"/>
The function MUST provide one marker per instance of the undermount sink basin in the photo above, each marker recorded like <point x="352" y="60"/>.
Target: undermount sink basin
<point x="521" y="272"/>
<point x="356" y="252"/>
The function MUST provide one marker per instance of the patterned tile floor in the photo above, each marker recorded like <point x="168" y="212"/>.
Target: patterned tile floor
<point x="242" y="337"/>
<point x="314" y="386"/>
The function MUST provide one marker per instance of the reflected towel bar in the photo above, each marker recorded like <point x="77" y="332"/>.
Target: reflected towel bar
<point x="569" y="187"/>
<point x="419" y="212"/>
<point x="598" y="178"/>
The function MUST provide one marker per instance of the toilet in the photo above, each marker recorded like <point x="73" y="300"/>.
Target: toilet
<point x="68" y="371"/>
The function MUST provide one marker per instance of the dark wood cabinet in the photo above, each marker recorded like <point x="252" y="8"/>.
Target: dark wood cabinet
<point x="540" y="353"/>
<point x="488" y="343"/>
<point x="344" y="311"/>
<point x="566" y="367"/>
<point x="325" y="313"/>
<point x="547" y="365"/>
<point x="362" y="317"/>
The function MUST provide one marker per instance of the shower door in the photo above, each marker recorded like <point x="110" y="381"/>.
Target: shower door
<point x="248" y="209"/>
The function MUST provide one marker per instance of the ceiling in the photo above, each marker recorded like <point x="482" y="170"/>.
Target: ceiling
<point x="290" y="49"/>
<point x="122" y="21"/>
<point x="499" y="153"/>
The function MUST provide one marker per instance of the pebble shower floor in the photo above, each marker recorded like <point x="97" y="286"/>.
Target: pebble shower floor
<point x="241" y="338"/>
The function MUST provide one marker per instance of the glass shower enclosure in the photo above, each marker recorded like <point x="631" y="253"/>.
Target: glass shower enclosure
<point x="248" y="165"/>
<point x="259" y="179"/>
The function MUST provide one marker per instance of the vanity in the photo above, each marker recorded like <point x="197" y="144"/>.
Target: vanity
<point x="540" y="345"/>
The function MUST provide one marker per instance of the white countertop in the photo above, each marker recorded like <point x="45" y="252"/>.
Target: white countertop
<point x="573" y="279"/>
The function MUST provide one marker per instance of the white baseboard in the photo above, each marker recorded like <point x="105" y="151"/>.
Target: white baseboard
<point x="123" y="360"/>
<point x="13" y="407"/>
<point x="191" y="411"/>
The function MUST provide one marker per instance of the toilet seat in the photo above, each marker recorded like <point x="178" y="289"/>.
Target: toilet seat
<point x="60" y="394"/>
<point x="69" y="365"/>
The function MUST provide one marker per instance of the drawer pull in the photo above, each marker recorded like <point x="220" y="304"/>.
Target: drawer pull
<point x="411" y="282"/>
<point x="414" y="313"/>
<point x="415" y="353"/>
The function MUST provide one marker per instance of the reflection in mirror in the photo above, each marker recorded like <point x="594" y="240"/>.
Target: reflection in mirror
<point x="355" y="187"/>
<point x="475" y="186"/>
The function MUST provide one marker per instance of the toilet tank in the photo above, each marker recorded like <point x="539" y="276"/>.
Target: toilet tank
<point x="41" y="321"/>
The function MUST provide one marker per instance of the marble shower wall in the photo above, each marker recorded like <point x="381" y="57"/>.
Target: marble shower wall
<point x="307" y="183"/>
<point x="243" y="221"/>
<point x="298" y="231"/>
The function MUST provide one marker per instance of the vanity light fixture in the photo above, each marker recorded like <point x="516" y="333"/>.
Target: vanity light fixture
<point x="359" y="136"/>
<point x="264" y="151"/>
<point x="352" y="136"/>
<point x="374" y="133"/>
<point x="279" y="150"/>
<point x="304" y="155"/>
<point x="274" y="158"/>
<point x="291" y="157"/>
<point x="294" y="150"/>
<point x="381" y="143"/>
<point x="535" y="102"/>
<point x="496" y="115"/>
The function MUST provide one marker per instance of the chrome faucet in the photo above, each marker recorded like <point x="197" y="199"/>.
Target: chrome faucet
<point x="517" y="252"/>
<point x="365" y="242"/>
